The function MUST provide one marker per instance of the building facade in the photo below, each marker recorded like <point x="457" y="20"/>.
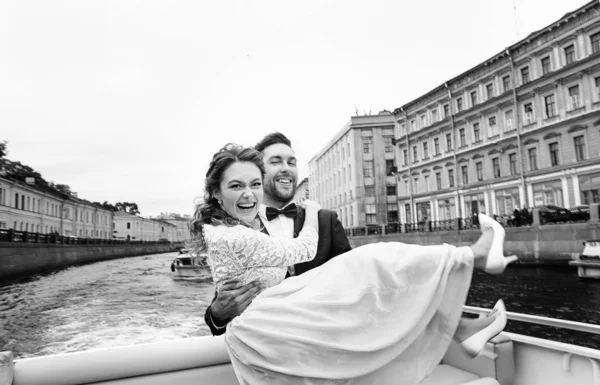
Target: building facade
<point x="518" y="130"/>
<point x="28" y="206"/>
<point x="182" y="225"/>
<point x="135" y="228"/>
<point x="355" y="173"/>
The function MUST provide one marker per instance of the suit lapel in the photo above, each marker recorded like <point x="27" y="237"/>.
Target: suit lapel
<point x="298" y="221"/>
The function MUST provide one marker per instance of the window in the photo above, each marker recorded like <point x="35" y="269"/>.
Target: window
<point x="128" y="225"/>
<point x="595" y="39"/>
<point x="391" y="190"/>
<point x="546" y="65"/>
<point x="390" y="168"/>
<point x="415" y="153"/>
<point x="506" y="83"/>
<point x="392" y="212"/>
<point x="550" y="106"/>
<point x="413" y="126"/>
<point x="512" y="162"/>
<point x="553" y="147"/>
<point x="574" y="97"/>
<point x="597" y="84"/>
<point x="368" y="169"/>
<point x="446" y="110"/>
<point x="532" y="153"/>
<point x="367" y="145"/>
<point x="434" y="116"/>
<point x="524" y="75"/>
<point x="479" y="170"/>
<point x="387" y="142"/>
<point x="405" y="156"/>
<point x="438" y="180"/>
<point x="426" y="182"/>
<point x="474" y="98"/>
<point x="369" y="191"/>
<point x="459" y="104"/>
<point x="496" y="167"/>
<point x="423" y="120"/>
<point x="476" y="133"/>
<point x="16" y="202"/>
<point x="416" y="186"/>
<point x="528" y="109"/>
<point x="462" y="136"/>
<point x="371" y="214"/>
<point x="570" y="54"/>
<point x="406" y="187"/>
<point x="451" y="178"/>
<point x="448" y="142"/>
<point x="465" y="174"/>
<point x="492" y="125"/>
<point x="579" y="147"/>
<point x="436" y="146"/>
<point x="489" y="89"/>
<point x="425" y="150"/>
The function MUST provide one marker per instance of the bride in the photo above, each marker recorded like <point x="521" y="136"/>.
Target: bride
<point x="388" y="315"/>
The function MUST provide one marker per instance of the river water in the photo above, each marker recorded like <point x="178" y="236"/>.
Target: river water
<point x="138" y="300"/>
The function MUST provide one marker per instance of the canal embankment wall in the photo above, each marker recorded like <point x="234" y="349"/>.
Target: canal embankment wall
<point x="535" y="245"/>
<point x="19" y="260"/>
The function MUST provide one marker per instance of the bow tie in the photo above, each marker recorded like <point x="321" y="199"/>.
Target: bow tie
<point x="289" y="211"/>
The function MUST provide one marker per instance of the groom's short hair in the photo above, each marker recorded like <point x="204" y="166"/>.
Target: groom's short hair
<point x="271" y="139"/>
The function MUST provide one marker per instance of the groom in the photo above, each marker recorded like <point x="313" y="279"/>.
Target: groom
<point x="280" y="218"/>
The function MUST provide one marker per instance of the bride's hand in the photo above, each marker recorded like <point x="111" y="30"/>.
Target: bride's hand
<point x="310" y="205"/>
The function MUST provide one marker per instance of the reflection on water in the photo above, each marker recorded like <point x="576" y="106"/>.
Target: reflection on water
<point x="557" y="293"/>
<point x="138" y="300"/>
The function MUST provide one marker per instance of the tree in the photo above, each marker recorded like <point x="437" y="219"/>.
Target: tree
<point x="128" y="207"/>
<point x="3" y="150"/>
<point x="63" y="188"/>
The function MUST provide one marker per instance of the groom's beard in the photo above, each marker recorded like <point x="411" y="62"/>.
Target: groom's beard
<point x="272" y="191"/>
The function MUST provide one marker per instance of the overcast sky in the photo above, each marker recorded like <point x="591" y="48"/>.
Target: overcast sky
<point x="127" y="100"/>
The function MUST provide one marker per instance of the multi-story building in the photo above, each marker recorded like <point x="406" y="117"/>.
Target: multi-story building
<point x="135" y="228"/>
<point x="518" y="130"/>
<point x="28" y="205"/>
<point x="302" y="191"/>
<point x="182" y="223"/>
<point x="354" y="173"/>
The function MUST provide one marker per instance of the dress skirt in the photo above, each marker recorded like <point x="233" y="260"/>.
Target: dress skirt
<point x="382" y="313"/>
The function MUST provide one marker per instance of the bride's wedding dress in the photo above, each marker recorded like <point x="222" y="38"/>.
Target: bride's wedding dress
<point x="382" y="313"/>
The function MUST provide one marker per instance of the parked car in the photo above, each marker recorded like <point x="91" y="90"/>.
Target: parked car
<point x="554" y="214"/>
<point x="580" y="213"/>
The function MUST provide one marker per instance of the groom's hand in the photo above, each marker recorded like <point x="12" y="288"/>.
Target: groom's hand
<point x="232" y="299"/>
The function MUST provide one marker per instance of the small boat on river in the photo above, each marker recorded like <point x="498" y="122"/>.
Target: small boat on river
<point x="516" y="360"/>
<point x="588" y="262"/>
<point x="188" y="264"/>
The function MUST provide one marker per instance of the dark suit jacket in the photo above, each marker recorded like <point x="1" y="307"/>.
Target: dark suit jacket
<point x="332" y="242"/>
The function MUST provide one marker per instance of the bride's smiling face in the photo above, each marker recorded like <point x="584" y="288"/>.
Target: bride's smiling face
<point x="241" y="190"/>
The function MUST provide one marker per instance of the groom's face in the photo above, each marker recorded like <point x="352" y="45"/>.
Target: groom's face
<point x="281" y="172"/>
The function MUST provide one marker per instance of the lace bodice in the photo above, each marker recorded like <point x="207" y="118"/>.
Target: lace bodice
<point x="243" y="254"/>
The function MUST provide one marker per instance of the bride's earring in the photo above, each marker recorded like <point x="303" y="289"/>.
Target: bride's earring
<point x="220" y="202"/>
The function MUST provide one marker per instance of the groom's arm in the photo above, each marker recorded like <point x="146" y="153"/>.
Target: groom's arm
<point x="230" y="301"/>
<point x="339" y="240"/>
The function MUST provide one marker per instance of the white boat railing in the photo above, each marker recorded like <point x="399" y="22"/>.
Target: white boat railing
<point x="538" y="320"/>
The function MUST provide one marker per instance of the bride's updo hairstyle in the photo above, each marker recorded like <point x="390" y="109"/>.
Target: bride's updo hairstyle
<point x="209" y="211"/>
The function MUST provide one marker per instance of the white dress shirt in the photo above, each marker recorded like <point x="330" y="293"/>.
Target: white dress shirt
<point x="281" y="227"/>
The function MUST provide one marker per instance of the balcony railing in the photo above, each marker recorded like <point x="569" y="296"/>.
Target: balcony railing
<point x="15" y="236"/>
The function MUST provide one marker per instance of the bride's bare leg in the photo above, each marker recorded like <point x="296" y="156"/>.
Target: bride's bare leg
<point x="481" y="248"/>
<point x="469" y="326"/>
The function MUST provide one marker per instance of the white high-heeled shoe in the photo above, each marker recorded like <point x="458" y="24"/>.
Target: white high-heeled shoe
<point x="495" y="262"/>
<point x="475" y="345"/>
